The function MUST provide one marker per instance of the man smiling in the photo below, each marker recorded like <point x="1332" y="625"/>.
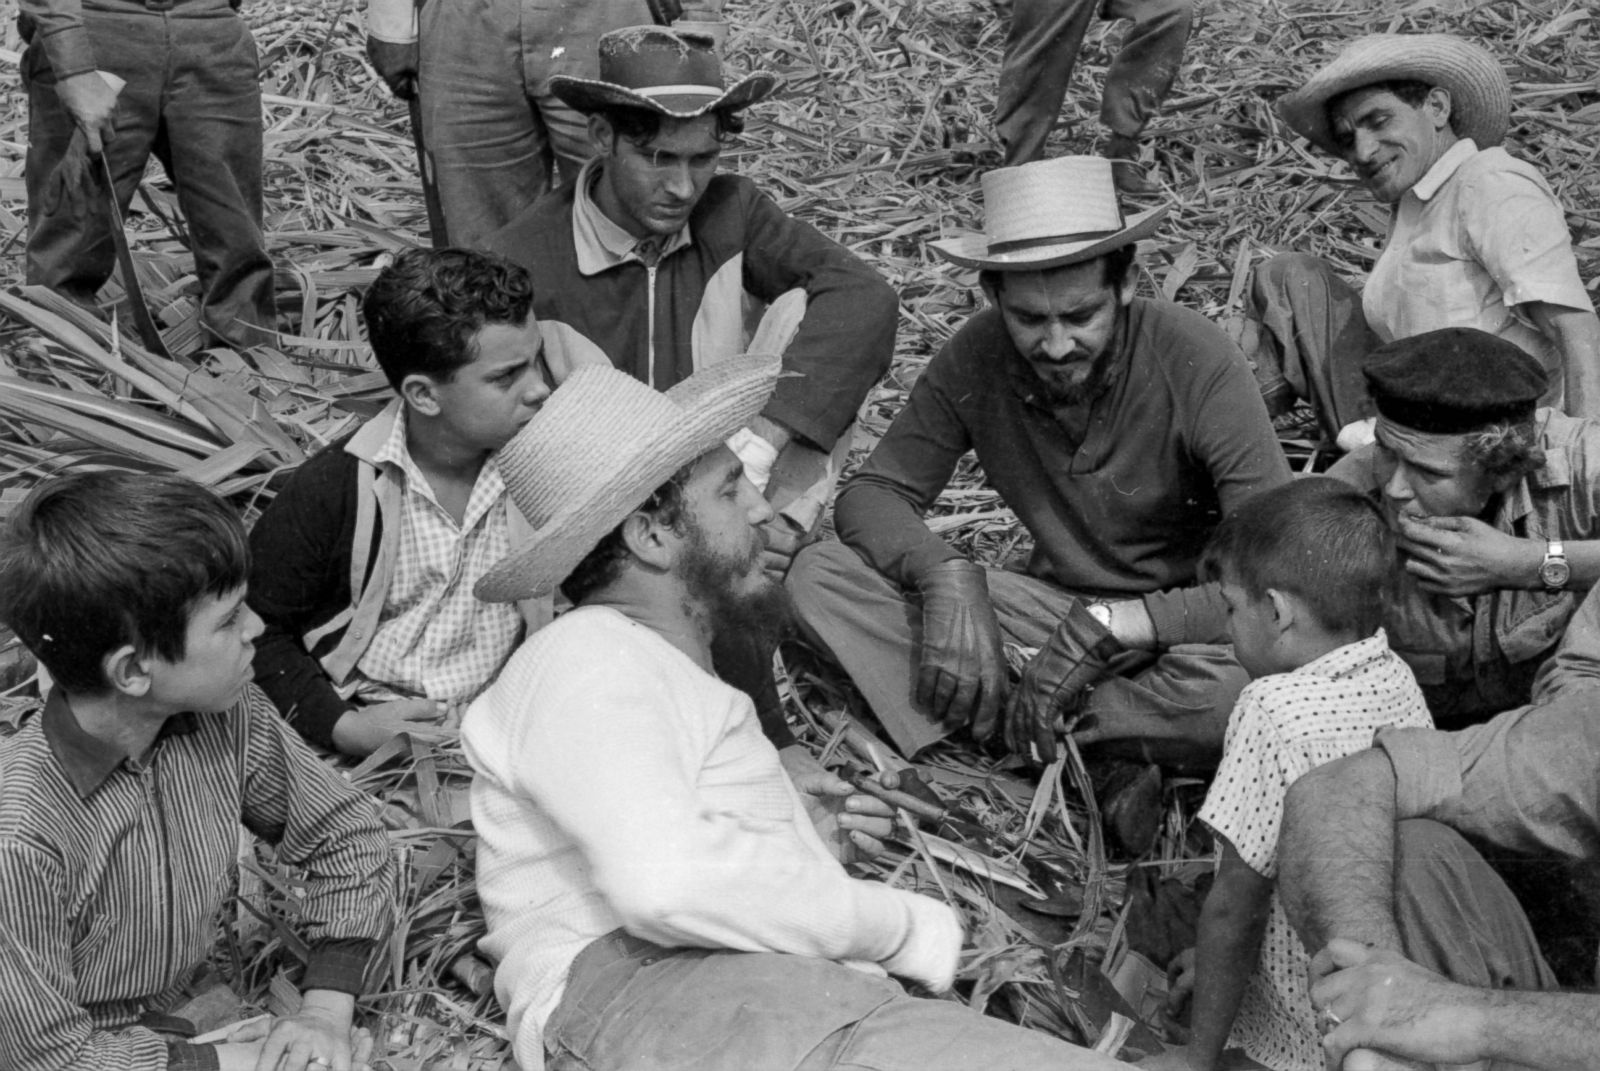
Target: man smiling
<point x="1476" y="238"/>
<point x="1119" y="429"/>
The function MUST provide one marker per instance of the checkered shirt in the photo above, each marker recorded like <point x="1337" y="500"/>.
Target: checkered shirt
<point x="434" y="638"/>
<point x="1283" y="726"/>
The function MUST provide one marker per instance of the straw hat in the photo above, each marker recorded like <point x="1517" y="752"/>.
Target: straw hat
<point x="1047" y="214"/>
<point x="674" y="72"/>
<point x="599" y="447"/>
<point x="1480" y="94"/>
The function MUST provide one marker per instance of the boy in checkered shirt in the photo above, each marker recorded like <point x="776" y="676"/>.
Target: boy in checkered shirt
<point x="1303" y="570"/>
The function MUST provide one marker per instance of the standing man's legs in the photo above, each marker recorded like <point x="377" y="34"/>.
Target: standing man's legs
<point x="69" y="223"/>
<point x="211" y="147"/>
<point x="1041" y="49"/>
<point x="1142" y="73"/>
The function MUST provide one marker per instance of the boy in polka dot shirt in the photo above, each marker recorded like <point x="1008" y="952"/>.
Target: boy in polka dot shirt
<point x="1304" y="570"/>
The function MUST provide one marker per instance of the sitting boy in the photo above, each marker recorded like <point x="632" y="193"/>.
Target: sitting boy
<point x="121" y="799"/>
<point x="1303" y="569"/>
<point x="365" y="561"/>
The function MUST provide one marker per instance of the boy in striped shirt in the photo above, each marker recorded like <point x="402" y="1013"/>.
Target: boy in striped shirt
<point x="122" y="796"/>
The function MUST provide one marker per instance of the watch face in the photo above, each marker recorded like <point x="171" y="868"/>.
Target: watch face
<point x="1101" y="613"/>
<point x="1554" y="573"/>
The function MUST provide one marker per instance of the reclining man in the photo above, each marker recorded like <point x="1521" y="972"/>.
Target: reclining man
<point x="655" y="891"/>
<point x="648" y="261"/>
<point x="365" y="561"/>
<point x="1495" y="507"/>
<point x="121" y="800"/>
<point x="1477" y="238"/>
<point x="1119" y="429"/>
<point x="1426" y="956"/>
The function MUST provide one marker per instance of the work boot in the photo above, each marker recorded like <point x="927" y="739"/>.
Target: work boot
<point x="1126" y="172"/>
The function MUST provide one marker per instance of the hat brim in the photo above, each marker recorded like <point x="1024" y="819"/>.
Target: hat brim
<point x="972" y="250"/>
<point x="716" y="402"/>
<point x="1480" y="94"/>
<point x="589" y="95"/>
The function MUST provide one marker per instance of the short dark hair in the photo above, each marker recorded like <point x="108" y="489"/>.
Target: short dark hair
<point x="1409" y="90"/>
<point x="1316" y="538"/>
<point x="640" y="126"/>
<point x="92" y="561"/>
<point x="424" y="309"/>
<point x="1506" y="450"/>
<point x="603" y="565"/>
<point x="1114" y="263"/>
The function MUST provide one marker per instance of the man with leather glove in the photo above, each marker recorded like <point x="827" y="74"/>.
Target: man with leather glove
<point x="494" y="132"/>
<point x="1119" y="429"/>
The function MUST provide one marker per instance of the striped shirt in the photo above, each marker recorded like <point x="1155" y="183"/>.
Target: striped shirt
<point x="112" y="875"/>
<point x="434" y="637"/>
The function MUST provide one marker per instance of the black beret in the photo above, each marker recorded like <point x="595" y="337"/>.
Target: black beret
<point x="1454" y="380"/>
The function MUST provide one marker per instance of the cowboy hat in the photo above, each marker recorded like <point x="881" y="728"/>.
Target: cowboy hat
<point x="1480" y="94"/>
<point x="673" y="72"/>
<point x="1048" y="214"/>
<point x="601" y="446"/>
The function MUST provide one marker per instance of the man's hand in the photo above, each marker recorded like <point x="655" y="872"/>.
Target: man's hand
<point x="91" y="100"/>
<point x="1181" y="974"/>
<point x="363" y="730"/>
<point x="1463" y="556"/>
<point x="396" y="63"/>
<point x="847" y="821"/>
<point x="783" y="542"/>
<point x="1055" y="682"/>
<point x="1380" y="1000"/>
<point x="962" y="669"/>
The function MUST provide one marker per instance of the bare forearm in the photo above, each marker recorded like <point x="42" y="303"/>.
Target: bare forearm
<point x="1228" y="947"/>
<point x="1336" y="853"/>
<point x="1575" y="333"/>
<point x="1551" y="1031"/>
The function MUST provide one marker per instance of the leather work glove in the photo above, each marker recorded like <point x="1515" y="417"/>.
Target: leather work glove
<point x="396" y="63"/>
<point x="1056" y="681"/>
<point x="962" y="672"/>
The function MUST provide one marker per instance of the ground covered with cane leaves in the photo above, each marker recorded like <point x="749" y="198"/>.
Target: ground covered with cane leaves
<point x="878" y="137"/>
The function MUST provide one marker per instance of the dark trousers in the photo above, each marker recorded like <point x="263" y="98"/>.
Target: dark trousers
<point x="193" y="100"/>
<point x="1042" y="48"/>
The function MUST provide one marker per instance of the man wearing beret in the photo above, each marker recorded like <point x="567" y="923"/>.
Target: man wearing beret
<point x="1496" y="506"/>
<point x="1476" y="236"/>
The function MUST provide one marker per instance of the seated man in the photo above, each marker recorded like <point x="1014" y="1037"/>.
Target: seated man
<point x="647" y="261"/>
<point x="1477" y="238"/>
<point x="121" y="800"/>
<point x="656" y="893"/>
<point x="1493" y="504"/>
<point x="1367" y="890"/>
<point x="365" y="561"/>
<point x="1119" y="429"/>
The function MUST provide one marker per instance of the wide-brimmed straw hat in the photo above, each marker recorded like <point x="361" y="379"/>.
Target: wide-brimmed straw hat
<point x="674" y="72"/>
<point x="1480" y="93"/>
<point x="600" y="446"/>
<point x="1048" y="214"/>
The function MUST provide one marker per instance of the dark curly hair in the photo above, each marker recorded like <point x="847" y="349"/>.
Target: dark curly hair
<point x="423" y="310"/>
<point x="639" y="126"/>
<point x="603" y="564"/>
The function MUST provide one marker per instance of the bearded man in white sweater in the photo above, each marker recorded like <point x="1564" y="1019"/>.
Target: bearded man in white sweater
<point x="657" y="894"/>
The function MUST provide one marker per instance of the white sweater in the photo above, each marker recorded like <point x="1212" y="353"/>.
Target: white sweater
<point x="618" y="784"/>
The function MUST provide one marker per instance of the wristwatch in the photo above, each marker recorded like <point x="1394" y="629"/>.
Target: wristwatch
<point x="1101" y="612"/>
<point x="1554" y="571"/>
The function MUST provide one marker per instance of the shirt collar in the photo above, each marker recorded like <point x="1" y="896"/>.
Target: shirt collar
<point x="1555" y="471"/>
<point x="1447" y="165"/>
<point x="601" y="242"/>
<point x="1342" y="661"/>
<point x="489" y="489"/>
<point x="87" y="760"/>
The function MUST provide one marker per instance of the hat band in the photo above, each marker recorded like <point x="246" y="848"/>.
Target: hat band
<point x="1019" y="244"/>
<point x="695" y="90"/>
<point x="1431" y="418"/>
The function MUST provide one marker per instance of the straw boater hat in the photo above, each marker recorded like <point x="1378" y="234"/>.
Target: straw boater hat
<point x="673" y="72"/>
<point x="1048" y="214"/>
<point x="599" y="447"/>
<point x="1480" y="94"/>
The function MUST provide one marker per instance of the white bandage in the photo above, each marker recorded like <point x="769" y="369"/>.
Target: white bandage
<point x="757" y="454"/>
